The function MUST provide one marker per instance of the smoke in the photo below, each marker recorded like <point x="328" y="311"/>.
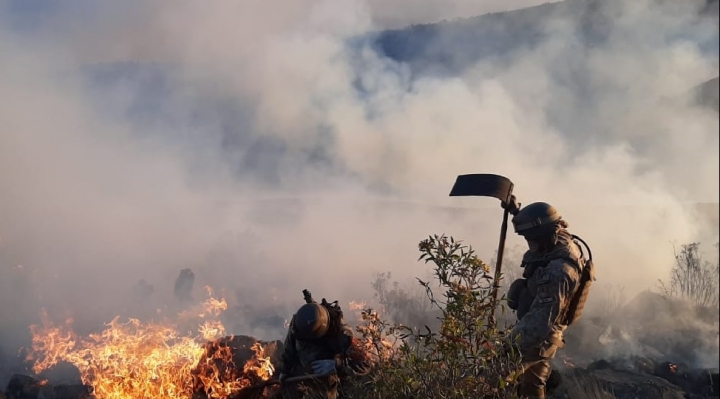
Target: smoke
<point x="271" y="147"/>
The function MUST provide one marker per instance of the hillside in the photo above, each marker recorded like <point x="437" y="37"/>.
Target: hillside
<point x="449" y="47"/>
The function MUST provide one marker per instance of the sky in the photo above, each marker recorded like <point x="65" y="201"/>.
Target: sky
<point x="256" y="143"/>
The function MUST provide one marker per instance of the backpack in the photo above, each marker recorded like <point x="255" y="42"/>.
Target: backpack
<point x="587" y="277"/>
<point x="335" y="315"/>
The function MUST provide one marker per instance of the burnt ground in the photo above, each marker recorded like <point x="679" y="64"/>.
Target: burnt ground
<point x="652" y="347"/>
<point x="615" y="380"/>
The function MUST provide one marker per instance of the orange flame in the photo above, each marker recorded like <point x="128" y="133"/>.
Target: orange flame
<point x="358" y="305"/>
<point x="372" y="341"/>
<point x="135" y="360"/>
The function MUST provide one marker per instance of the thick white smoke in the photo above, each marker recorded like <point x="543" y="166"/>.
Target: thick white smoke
<point x="284" y="153"/>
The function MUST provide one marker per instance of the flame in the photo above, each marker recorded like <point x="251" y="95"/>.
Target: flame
<point x="673" y="367"/>
<point x="371" y="340"/>
<point x="211" y="307"/>
<point x="135" y="360"/>
<point x="218" y="365"/>
<point x="211" y="329"/>
<point x="258" y="365"/>
<point x="358" y="305"/>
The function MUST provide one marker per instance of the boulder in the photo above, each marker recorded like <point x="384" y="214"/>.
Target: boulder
<point x="27" y="387"/>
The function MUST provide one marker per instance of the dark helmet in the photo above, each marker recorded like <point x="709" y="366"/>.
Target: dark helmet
<point x="536" y="219"/>
<point x="311" y="321"/>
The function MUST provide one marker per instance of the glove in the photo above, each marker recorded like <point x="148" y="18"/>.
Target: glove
<point x="512" y="205"/>
<point x="323" y="367"/>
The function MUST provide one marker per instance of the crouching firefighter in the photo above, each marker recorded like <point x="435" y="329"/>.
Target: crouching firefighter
<point x="319" y="342"/>
<point x="552" y="293"/>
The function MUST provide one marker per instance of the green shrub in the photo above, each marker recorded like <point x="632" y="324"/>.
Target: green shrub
<point x="463" y="357"/>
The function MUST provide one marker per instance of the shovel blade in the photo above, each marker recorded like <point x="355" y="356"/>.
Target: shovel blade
<point x="483" y="185"/>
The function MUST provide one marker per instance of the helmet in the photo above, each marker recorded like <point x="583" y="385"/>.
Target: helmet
<point x="536" y="219"/>
<point x="311" y="321"/>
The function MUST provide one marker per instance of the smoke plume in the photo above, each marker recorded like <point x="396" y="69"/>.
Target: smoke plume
<point x="270" y="146"/>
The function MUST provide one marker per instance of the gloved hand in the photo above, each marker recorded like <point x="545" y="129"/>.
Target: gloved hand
<point x="512" y="205"/>
<point x="323" y="367"/>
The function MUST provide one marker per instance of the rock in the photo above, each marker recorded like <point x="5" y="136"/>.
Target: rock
<point x="601" y="364"/>
<point x="184" y="286"/>
<point x="62" y="373"/>
<point x="73" y="391"/>
<point x="606" y="383"/>
<point x="26" y="387"/>
<point x="697" y="382"/>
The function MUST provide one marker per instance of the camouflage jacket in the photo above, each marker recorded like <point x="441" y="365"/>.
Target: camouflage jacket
<point x="552" y="280"/>
<point x="339" y="344"/>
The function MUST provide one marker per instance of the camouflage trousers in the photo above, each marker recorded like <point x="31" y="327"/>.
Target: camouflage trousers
<point x="536" y="371"/>
<point x="325" y="388"/>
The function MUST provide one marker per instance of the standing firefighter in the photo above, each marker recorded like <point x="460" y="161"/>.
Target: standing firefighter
<point x="552" y="293"/>
<point x="320" y="342"/>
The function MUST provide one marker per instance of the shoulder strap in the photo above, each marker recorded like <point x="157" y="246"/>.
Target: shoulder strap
<point x="575" y="237"/>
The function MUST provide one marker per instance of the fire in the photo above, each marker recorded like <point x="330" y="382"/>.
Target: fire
<point x="259" y="366"/>
<point x="358" y="305"/>
<point x="218" y="365"/>
<point x="372" y="339"/>
<point x="135" y="360"/>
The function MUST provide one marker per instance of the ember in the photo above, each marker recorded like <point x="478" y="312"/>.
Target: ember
<point x="135" y="360"/>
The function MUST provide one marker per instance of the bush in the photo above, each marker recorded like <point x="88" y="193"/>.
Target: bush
<point x="464" y="358"/>
<point x="403" y="305"/>
<point x="693" y="278"/>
